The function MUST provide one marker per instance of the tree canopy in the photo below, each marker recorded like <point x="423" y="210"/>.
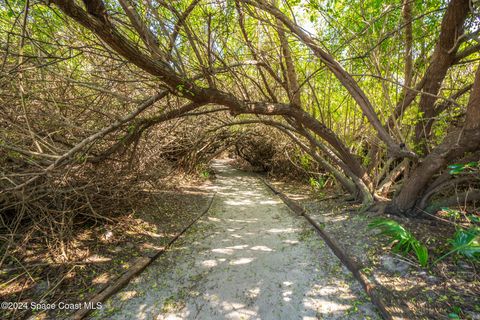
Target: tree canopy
<point x="376" y="93"/>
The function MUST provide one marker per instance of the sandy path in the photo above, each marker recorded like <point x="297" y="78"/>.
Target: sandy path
<point x="249" y="258"/>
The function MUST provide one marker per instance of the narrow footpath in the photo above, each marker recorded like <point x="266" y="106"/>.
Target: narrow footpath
<point x="249" y="257"/>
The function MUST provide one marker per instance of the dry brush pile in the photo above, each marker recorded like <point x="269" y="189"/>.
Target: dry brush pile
<point x="45" y="195"/>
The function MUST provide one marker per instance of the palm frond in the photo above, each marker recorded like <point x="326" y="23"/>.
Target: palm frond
<point x="404" y="240"/>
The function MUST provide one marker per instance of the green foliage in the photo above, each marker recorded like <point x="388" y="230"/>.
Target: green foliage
<point x="319" y="183"/>
<point x="14" y="155"/>
<point x="455" y="314"/>
<point x="466" y="243"/>
<point x="182" y="89"/>
<point x="452" y="213"/>
<point x="131" y="128"/>
<point x="305" y="161"/>
<point x="464" y="167"/>
<point x="366" y="160"/>
<point x="473" y="218"/>
<point x="405" y="241"/>
<point x="205" y="174"/>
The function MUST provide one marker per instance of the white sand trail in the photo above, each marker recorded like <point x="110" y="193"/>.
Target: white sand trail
<point x="248" y="258"/>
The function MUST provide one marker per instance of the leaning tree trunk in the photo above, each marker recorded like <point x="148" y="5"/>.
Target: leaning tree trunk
<point x="455" y="145"/>
<point x="442" y="58"/>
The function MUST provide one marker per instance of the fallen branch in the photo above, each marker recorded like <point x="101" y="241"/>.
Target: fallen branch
<point x="348" y="261"/>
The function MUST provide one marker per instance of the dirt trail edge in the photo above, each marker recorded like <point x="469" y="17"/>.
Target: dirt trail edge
<point x="353" y="265"/>
<point x="249" y="257"/>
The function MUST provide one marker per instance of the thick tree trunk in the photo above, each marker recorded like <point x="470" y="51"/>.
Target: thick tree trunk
<point x="455" y="144"/>
<point x="442" y="58"/>
<point x="444" y="55"/>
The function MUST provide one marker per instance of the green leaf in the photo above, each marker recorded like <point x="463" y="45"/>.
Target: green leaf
<point x="467" y="242"/>
<point x="422" y="254"/>
<point x="473" y="218"/>
<point x="460" y="167"/>
<point x="455" y="166"/>
<point x="405" y="241"/>
<point x="457" y="309"/>
<point x="456" y="171"/>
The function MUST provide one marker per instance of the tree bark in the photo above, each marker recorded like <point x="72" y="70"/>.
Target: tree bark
<point x="454" y="145"/>
<point x="292" y="81"/>
<point x="389" y="180"/>
<point x="444" y="55"/>
<point x="407" y="18"/>
<point x="442" y="58"/>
